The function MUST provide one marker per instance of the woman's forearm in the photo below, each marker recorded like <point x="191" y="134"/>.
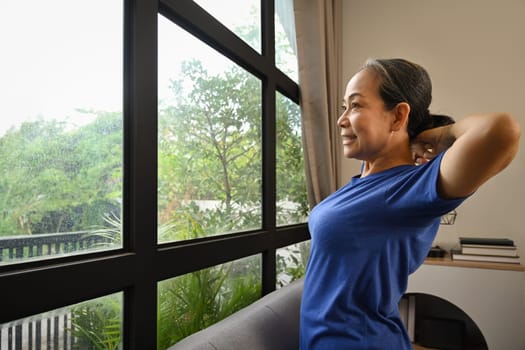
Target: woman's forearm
<point x="479" y="147"/>
<point x="494" y="136"/>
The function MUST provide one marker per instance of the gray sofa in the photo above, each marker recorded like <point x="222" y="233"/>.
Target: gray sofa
<point x="271" y="323"/>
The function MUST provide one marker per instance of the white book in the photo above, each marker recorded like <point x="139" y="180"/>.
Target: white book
<point x="492" y="250"/>
<point x="486" y="258"/>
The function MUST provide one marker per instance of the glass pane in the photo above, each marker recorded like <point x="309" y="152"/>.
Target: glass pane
<point x="243" y="17"/>
<point x="285" y="43"/>
<point x="292" y="202"/>
<point x="209" y="140"/>
<point x="194" y="301"/>
<point x="60" y="127"/>
<point x="291" y="262"/>
<point x="93" y="324"/>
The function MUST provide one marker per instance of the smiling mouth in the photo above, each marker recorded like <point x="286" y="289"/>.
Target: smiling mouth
<point x="347" y="139"/>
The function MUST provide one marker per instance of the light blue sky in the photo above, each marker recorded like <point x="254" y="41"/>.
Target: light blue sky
<point x="63" y="55"/>
<point x="51" y="65"/>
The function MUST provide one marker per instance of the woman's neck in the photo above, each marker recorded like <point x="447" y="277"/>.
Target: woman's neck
<point x="402" y="156"/>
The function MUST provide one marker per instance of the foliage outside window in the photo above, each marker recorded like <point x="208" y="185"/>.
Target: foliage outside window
<point x="291" y="263"/>
<point x="210" y="121"/>
<point x="91" y="325"/>
<point x="292" y="203"/>
<point x="209" y="141"/>
<point x="197" y="300"/>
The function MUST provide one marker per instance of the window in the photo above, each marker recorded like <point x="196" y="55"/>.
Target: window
<point x="210" y="155"/>
<point x="245" y="23"/>
<point x="92" y="324"/>
<point x="61" y="128"/>
<point x="196" y="300"/>
<point x="285" y="43"/>
<point x="292" y="205"/>
<point x="291" y="262"/>
<point x="158" y="217"/>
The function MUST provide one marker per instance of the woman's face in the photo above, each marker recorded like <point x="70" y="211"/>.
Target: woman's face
<point x="365" y="123"/>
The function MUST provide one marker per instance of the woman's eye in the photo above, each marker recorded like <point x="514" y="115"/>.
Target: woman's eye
<point x="353" y="105"/>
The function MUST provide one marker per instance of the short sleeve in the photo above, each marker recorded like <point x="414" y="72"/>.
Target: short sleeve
<point x="415" y="192"/>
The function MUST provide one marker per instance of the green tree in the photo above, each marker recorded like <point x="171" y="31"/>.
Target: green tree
<point x="55" y="179"/>
<point x="210" y="140"/>
<point x="30" y="173"/>
<point x="291" y="183"/>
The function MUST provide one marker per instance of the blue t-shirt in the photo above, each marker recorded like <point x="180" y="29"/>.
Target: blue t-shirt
<point x="367" y="237"/>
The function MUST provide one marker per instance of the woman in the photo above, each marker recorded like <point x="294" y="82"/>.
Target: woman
<point x="373" y="232"/>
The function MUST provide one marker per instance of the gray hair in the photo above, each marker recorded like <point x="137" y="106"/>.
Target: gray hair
<point x="405" y="81"/>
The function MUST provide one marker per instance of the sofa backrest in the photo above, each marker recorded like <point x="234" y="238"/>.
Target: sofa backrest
<point x="270" y="323"/>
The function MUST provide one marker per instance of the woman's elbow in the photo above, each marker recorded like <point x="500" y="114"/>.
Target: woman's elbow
<point x="512" y="128"/>
<point x="508" y="134"/>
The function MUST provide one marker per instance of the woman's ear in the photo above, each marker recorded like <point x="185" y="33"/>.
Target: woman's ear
<point x="401" y="112"/>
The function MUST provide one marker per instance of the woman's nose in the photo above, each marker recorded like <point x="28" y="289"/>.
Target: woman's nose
<point x="343" y="120"/>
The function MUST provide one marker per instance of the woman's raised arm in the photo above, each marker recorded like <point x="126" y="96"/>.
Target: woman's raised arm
<point x="479" y="147"/>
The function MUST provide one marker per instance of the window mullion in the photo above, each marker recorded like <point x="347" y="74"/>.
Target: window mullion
<point x="269" y="142"/>
<point x="140" y="171"/>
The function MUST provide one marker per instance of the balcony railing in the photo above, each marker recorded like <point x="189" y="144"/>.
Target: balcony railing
<point x="16" y="248"/>
<point x="49" y="330"/>
<point x="44" y="331"/>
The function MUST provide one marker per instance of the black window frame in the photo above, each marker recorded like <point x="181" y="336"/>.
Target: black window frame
<point x="32" y="287"/>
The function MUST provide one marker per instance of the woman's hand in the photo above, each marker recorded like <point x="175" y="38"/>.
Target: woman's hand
<point x="477" y="148"/>
<point x="430" y="143"/>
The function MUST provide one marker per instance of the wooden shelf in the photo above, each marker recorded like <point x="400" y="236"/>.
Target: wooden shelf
<point x="447" y="261"/>
<point x="419" y="347"/>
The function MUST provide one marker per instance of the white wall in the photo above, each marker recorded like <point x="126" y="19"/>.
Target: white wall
<point x="474" y="50"/>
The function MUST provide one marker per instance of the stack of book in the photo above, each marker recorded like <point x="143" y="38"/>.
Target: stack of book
<point x="499" y="250"/>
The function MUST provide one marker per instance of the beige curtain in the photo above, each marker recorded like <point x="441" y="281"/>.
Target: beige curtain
<point x="318" y="26"/>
